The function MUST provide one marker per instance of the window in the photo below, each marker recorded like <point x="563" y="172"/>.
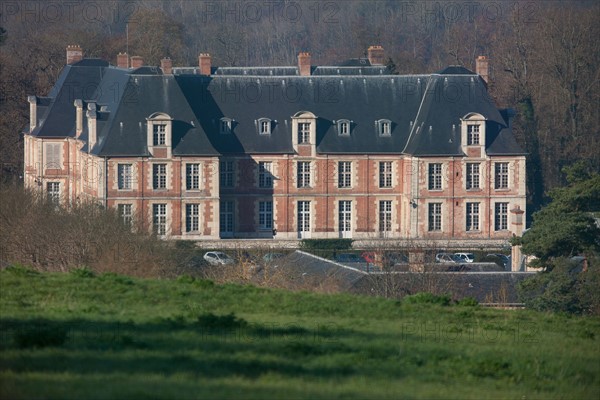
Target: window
<point x="159" y="176"/>
<point x="265" y="214"/>
<point x="192" y="217"/>
<point x="472" y="176"/>
<point x="435" y="176"/>
<point x="501" y="216"/>
<point x="226" y="213"/>
<point x="385" y="174"/>
<point x="472" y="135"/>
<point x="343" y="126"/>
<point x="265" y="175"/>
<point x="385" y="216"/>
<point x="225" y="126"/>
<point x="126" y="213"/>
<point x="303" y="180"/>
<point x="345" y="216"/>
<point x="226" y="174"/>
<point x="264" y="126"/>
<point x="303" y="132"/>
<point x="472" y="217"/>
<point x="124" y="176"/>
<point x="304" y="216"/>
<point x="344" y="174"/>
<point x="159" y="134"/>
<point x="159" y="219"/>
<point x="384" y="127"/>
<point x="53" y="151"/>
<point x="192" y="176"/>
<point x="53" y="192"/>
<point x="501" y="175"/>
<point x="435" y="217"/>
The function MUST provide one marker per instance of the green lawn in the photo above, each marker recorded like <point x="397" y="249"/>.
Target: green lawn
<point x="108" y="336"/>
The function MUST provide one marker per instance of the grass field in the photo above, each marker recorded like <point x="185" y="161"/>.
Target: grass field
<point x="77" y="335"/>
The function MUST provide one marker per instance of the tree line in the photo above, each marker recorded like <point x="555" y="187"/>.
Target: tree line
<point x="544" y="56"/>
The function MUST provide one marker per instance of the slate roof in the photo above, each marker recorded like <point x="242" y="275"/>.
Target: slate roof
<point x="425" y="110"/>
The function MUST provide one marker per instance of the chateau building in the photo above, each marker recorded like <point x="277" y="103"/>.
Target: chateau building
<point x="280" y="152"/>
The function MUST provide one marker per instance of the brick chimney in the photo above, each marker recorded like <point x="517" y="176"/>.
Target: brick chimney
<point x="204" y="62"/>
<point x="137" y="62"/>
<point x="304" y="64"/>
<point x="166" y="64"/>
<point x="74" y="54"/>
<point x="481" y="67"/>
<point x="376" y="55"/>
<point x="122" y="60"/>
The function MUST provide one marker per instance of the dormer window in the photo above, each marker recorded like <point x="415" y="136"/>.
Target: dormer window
<point x="264" y="126"/>
<point x="472" y="135"/>
<point x="303" y="132"/>
<point x="225" y="126"/>
<point x="384" y="127"/>
<point x="343" y="126"/>
<point x="159" y="134"/>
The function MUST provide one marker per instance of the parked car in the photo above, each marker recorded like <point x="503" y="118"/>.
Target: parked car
<point x="500" y="259"/>
<point x="447" y="258"/>
<point x="218" y="258"/>
<point x="349" y="258"/>
<point x="465" y="257"/>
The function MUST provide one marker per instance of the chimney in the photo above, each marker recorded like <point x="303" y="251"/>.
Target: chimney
<point x="78" y="103"/>
<point x="376" y="55"/>
<point x="166" y="65"/>
<point x="32" y="112"/>
<point x="204" y="63"/>
<point x="74" y="54"/>
<point x="91" y="119"/>
<point x="122" y="60"/>
<point x="481" y="67"/>
<point x="137" y="62"/>
<point x="304" y="64"/>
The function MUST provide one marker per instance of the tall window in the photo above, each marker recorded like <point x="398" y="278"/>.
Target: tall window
<point x="265" y="175"/>
<point x="435" y="217"/>
<point x="304" y="216"/>
<point x="303" y="132"/>
<point x="124" y="179"/>
<point x="501" y="175"/>
<point x="385" y="174"/>
<point x="472" y="217"/>
<point x="343" y="128"/>
<point x="501" y="216"/>
<point x="384" y="127"/>
<point x="345" y="216"/>
<point x="303" y="180"/>
<point x="265" y="214"/>
<point x="226" y="174"/>
<point x="472" y="135"/>
<point x="264" y="126"/>
<point x="385" y="216"/>
<point x="126" y="213"/>
<point x="192" y="217"/>
<point x="159" y="220"/>
<point x="53" y="158"/>
<point x="344" y="174"/>
<point x="192" y="176"/>
<point x="159" y="132"/>
<point x="53" y="192"/>
<point x="435" y="176"/>
<point x="159" y="176"/>
<point x="472" y="176"/>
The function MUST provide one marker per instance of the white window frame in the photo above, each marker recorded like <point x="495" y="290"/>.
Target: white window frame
<point x="192" y="217"/>
<point x="264" y="126"/>
<point x="344" y="174"/>
<point x="304" y="132"/>
<point x="385" y="174"/>
<point x="304" y="216"/>
<point x="472" y="178"/>
<point x="435" y="174"/>
<point x="159" y="176"/>
<point x="303" y="174"/>
<point x="265" y="214"/>
<point x="384" y="127"/>
<point x="125" y="175"/>
<point x="265" y="174"/>
<point x="192" y="176"/>
<point x="125" y="212"/>
<point x="385" y="216"/>
<point x="472" y="216"/>
<point x="434" y="217"/>
<point x="473" y="134"/>
<point x="501" y="216"/>
<point x="53" y="155"/>
<point x="159" y="134"/>
<point x="53" y="192"/>
<point x="345" y="217"/>
<point x="226" y="173"/>
<point x="343" y="126"/>
<point x="501" y="175"/>
<point x="159" y="218"/>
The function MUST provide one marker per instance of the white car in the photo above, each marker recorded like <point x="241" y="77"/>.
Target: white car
<point x="465" y="257"/>
<point x="218" y="258"/>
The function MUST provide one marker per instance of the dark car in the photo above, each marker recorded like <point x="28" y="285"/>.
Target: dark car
<point x="500" y="259"/>
<point x="349" y="258"/>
